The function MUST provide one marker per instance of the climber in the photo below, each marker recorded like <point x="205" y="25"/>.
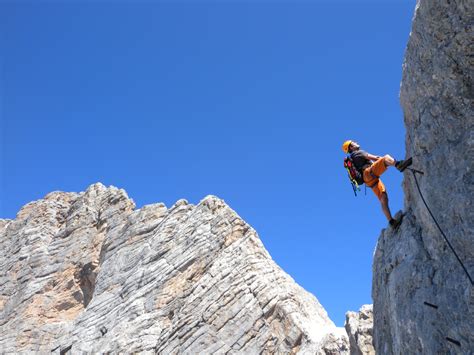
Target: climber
<point x="372" y="166"/>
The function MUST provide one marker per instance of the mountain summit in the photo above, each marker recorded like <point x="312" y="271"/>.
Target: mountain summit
<point x="89" y="272"/>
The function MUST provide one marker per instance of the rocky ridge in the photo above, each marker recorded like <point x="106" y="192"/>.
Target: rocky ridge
<point x="359" y="329"/>
<point x="423" y="299"/>
<point x="88" y="272"/>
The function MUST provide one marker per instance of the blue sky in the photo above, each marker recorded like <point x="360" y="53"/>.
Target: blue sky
<point x="249" y="101"/>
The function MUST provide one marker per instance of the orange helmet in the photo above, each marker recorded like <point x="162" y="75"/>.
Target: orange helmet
<point x="345" y="146"/>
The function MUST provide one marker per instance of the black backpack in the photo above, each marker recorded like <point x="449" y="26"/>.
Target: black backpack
<point x="355" y="175"/>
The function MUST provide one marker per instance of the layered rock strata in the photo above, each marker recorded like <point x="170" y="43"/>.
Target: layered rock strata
<point x="87" y="272"/>
<point x="423" y="299"/>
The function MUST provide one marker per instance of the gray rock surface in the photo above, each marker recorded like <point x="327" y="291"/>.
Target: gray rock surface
<point x="423" y="300"/>
<point x="359" y="329"/>
<point x="87" y="272"/>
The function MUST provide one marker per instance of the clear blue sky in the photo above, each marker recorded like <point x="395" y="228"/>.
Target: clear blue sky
<point x="249" y="101"/>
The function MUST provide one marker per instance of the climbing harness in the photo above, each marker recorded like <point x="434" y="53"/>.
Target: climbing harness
<point x="414" y="171"/>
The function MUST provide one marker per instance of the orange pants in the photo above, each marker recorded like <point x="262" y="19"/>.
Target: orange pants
<point x="372" y="177"/>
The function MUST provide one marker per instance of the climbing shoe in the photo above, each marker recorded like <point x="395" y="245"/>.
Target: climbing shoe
<point x="395" y="223"/>
<point x="403" y="164"/>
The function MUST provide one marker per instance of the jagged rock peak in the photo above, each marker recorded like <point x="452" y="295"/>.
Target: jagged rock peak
<point x="359" y="329"/>
<point x="88" y="272"/>
<point x="423" y="299"/>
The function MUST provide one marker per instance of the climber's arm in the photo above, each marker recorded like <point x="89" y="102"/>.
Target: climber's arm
<point x="373" y="157"/>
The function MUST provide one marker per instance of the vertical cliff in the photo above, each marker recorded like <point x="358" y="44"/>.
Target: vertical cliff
<point x="87" y="272"/>
<point x="423" y="299"/>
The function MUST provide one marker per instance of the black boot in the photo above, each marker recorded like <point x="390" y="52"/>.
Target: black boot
<point x="403" y="164"/>
<point x="394" y="223"/>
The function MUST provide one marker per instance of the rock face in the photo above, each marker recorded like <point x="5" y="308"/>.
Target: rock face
<point x="359" y="329"/>
<point x="423" y="299"/>
<point x="88" y="272"/>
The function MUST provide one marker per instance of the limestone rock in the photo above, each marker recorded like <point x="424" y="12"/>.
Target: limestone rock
<point x="334" y="343"/>
<point x="359" y="329"/>
<point x="87" y="272"/>
<point x="423" y="300"/>
<point x="50" y="261"/>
